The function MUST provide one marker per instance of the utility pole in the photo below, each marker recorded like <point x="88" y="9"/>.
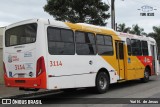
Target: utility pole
<point x="113" y="14"/>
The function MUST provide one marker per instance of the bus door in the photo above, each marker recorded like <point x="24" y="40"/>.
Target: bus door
<point x="153" y="57"/>
<point x="120" y="57"/>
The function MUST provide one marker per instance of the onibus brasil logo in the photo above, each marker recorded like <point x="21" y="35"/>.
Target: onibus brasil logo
<point x="147" y="10"/>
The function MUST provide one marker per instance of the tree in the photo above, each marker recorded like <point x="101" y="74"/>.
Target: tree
<point x="156" y="35"/>
<point x="137" y="30"/>
<point x="122" y="28"/>
<point x="76" y="11"/>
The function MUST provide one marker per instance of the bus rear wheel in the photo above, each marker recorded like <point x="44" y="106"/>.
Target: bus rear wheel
<point x="146" y="75"/>
<point x="102" y="83"/>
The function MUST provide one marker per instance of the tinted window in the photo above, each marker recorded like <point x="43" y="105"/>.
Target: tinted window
<point x="60" y="41"/>
<point x="121" y="52"/>
<point x="61" y="48"/>
<point x="84" y="37"/>
<point x="19" y="35"/>
<point x="104" y="45"/>
<point x="85" y="49"/>
<point x="144" y="48"/>
<point x="85" y="43"/>
<point x="105" y="50"/>
<point x="129" y="46"/>
<point x="80" y="37"/>
<point x="136" y="47"/>
<point x="116" y="47"/>
<point x="54" y="34"/>
<point x="100" y="40"/>
<point x="67" y="35"/>
<point x="108" y="40"/>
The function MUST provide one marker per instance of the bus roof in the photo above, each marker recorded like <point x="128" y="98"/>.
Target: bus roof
<point x="133" y="36"/>
<point x="82" y="27"/>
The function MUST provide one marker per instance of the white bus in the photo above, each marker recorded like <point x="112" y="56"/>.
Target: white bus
<point x="48" y="54"/>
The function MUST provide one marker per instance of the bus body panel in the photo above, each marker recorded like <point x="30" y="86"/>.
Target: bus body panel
<point x="76" y="74"/>
<point x="20" y="61"/>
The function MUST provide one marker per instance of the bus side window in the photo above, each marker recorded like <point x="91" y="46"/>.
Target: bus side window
<point x="144" y="48"/>
<point x="85" y="43"/>
<point x="104" y="44"/>
<point x="129" y="46"/>
<point x="157" y="53"/>
<point x="60" y="41"/>
<point x="136" y="47"/>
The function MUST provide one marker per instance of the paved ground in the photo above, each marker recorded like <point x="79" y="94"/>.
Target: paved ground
<point x="9" y="91"/>
<point x="131" y="89"/>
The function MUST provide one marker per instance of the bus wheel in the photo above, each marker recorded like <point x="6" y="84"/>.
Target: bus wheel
<point x="102" y="83"/>
<point x="146" y="76"/>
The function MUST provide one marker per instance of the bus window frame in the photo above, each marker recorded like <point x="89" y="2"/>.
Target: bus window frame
<point x="136" y="47"/>
<point x="85" y="43"/>
<point x="130" y="46"/>
<point x="73" y="33"/>
<point x="23" y="43"/>
<point x="144" y="48"/>
<point x="105" y="45"/>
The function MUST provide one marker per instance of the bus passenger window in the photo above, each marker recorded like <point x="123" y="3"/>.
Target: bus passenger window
<point x="60" y="41"/>
<point x="129" y="46"/>
<point x="85" y="43"/>
<point x="121" y="53"/>
<point x="157" y="52"/>
<point x="136" y="47"/>
<point x="104" y="45"/>
<point x="144" y="48"/>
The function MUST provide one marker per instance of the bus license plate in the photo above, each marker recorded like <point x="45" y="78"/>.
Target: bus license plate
<point x="20" y="75"/>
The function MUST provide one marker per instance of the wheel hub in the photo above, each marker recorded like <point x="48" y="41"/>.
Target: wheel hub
<point x="102" y="83"/>
<point x="146" y="74"/>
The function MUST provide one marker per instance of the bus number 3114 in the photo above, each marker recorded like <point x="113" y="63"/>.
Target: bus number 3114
<point x="55" y="63"/>
<point x="19" y="67"/>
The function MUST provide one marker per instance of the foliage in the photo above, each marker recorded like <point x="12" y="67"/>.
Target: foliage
<point x="122" y="28"/>
<point x="78" y="11"/>
<point x="156" y="35"/>
<point x="137" y="30"/>
<point x="134" y="30"/>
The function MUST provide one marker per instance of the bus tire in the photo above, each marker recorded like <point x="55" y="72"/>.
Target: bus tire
<point x="146" y="75"/>
<point x="102" y="83"/>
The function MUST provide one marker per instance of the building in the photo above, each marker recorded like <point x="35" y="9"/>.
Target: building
<point x="1" y="55"/>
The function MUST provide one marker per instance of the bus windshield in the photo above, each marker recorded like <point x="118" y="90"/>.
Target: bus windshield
<point x="19" y="35"/>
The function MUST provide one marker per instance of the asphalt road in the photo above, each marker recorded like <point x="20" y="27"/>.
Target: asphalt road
<point x="130" y="89"/>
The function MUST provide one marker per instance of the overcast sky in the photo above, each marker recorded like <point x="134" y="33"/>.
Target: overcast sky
<point x="126" y="12"/>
